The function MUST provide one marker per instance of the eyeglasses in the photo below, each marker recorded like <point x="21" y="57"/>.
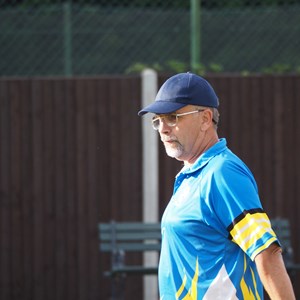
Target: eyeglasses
<point x="170" y="119"/>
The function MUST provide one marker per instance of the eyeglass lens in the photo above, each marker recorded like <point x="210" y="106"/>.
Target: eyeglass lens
<point x="171" y="120"/>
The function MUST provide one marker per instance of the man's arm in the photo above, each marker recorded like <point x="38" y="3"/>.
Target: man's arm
<point x="273" y="274"/>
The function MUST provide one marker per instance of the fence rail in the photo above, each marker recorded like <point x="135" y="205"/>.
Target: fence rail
<point x="70" y="157"/>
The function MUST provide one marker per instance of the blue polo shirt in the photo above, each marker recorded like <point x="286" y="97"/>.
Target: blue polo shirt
<point x="212" y="229"/>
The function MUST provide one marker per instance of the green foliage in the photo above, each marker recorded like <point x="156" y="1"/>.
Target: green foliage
<point x="139" y="67"/>
<point x="278" y="68"/>
<point x="176" y="67"/>
<point x="215" y="68"/>
<point x="245" y="73"/>
<point x="199" y="69"/>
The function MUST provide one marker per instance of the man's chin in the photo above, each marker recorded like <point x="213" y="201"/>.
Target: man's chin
<point x="174" y="153"/>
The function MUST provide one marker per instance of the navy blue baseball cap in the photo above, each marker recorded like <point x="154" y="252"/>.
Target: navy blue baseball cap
<point x="181" y="90"/>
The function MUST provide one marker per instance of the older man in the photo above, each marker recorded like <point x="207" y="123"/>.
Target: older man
<point x="217" y="241"/>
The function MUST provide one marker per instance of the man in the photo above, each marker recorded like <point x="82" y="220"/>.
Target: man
<point x="217" y="241"/>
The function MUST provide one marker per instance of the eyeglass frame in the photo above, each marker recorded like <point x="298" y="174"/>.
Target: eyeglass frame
<point x="157" y="117"/>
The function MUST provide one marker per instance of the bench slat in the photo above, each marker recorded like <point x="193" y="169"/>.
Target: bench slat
<point x="132" y="270"/>
<point x="133" y="236"/>
<point x="135" y="226"/>
<point x="107" y="247"/>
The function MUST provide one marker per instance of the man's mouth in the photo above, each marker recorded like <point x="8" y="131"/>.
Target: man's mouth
<point x="167" y="140"/>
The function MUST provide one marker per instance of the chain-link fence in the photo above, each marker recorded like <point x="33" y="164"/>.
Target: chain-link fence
<point x="45" y="38"/>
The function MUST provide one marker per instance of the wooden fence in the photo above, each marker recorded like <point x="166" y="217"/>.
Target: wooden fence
<point x="70" y="157"/>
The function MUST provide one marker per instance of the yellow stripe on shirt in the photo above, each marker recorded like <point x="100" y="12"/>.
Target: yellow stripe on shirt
<point x="250" y="229"/>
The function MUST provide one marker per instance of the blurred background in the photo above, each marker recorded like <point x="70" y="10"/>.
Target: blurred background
<point x="71" y="144"/>
<point x="88" y="37"/>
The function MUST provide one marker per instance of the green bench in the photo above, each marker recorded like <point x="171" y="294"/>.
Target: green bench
<point x="137" y="237"/>
<point x="121" y="238"/>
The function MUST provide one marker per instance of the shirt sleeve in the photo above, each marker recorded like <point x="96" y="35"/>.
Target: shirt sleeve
<point x="237" y="205"/>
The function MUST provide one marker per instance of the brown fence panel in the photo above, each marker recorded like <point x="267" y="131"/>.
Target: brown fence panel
<point x="70" y="157"/>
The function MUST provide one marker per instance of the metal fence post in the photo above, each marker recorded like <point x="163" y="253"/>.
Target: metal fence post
<point x="67" y="39"/>
<point x="195" y="34"/>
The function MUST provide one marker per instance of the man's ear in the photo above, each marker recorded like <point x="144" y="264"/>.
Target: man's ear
<point x="206" y="119"/>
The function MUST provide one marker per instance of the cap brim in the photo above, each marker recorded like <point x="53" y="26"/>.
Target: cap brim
<point x="161" y="107"/>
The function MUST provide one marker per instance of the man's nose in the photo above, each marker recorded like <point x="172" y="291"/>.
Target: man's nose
<point x="163" y="126"/>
